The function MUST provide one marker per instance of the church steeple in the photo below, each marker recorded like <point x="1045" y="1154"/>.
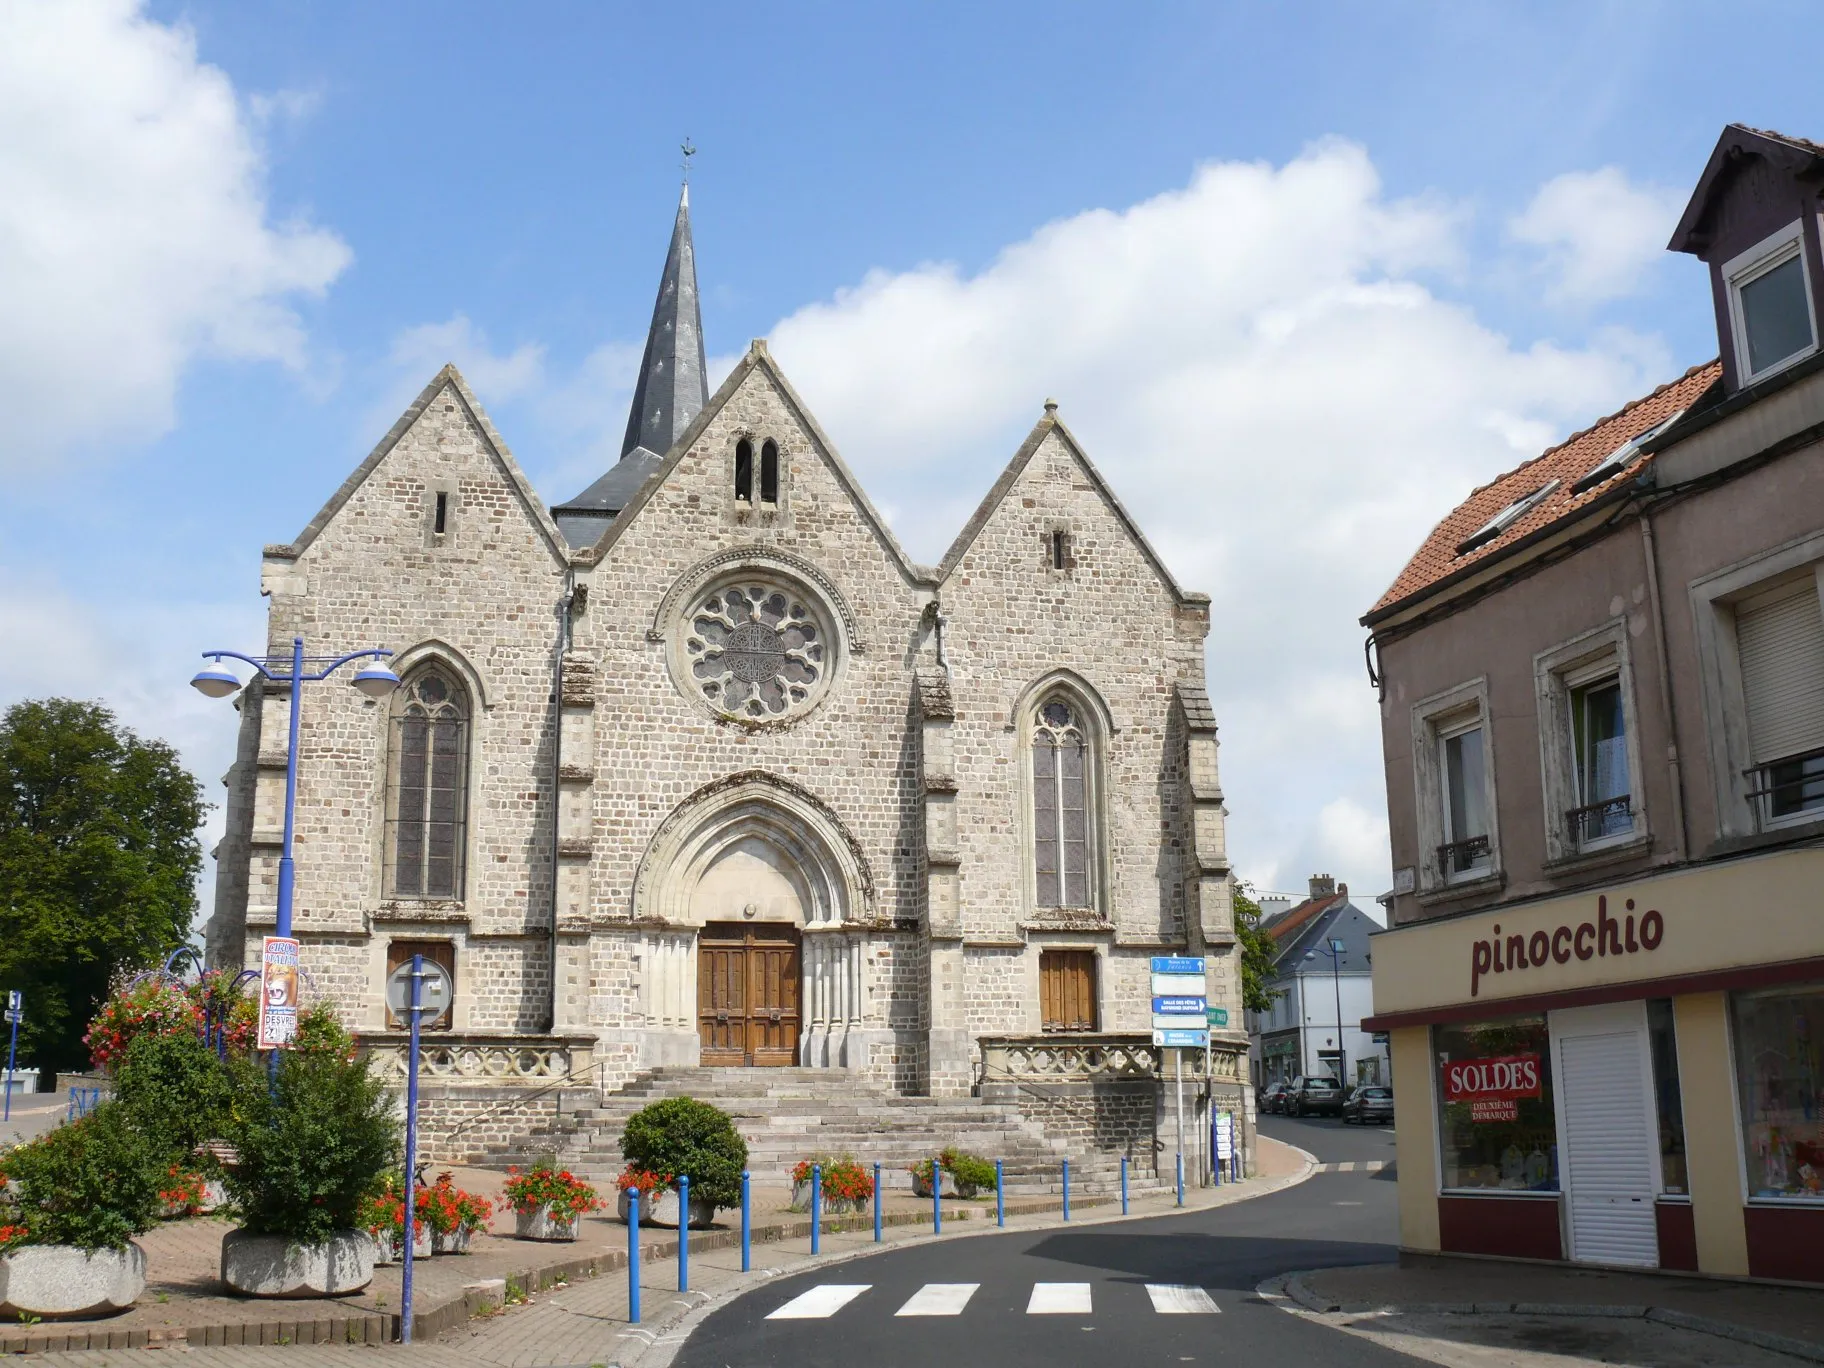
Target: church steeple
<point x="671" y="391"/>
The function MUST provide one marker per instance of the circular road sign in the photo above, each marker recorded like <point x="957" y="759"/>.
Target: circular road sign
<point x="434" y="990"/>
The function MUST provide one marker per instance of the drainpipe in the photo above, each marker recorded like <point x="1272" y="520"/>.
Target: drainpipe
<point x="557" y="764"/>
<point x="1651" y="556"/>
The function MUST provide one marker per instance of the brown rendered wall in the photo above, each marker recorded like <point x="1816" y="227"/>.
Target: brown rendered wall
<point x="1508" y="1227"/>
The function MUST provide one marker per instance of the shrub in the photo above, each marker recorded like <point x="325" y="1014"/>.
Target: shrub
<point x="683" y="1135"/>
<point x="546" y="1185"/>
<point x="843" y="1179"/>
<point x="93" y="1183"/>
<point x="312" y="1145"/>
<point x="175" y="1089"/>
<point x="970" y="1173"/>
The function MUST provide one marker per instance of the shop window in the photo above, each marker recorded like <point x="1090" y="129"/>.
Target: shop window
<point x="435" y="952"/>
<point x="1779" y="1067"/>
<point x="1067" y="990"/>
<point x="1496" y="1127"/>
<point x="1668" y="1099"/>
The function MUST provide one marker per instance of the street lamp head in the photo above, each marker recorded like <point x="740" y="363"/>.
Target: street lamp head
<point x="375" y="679"/>
<point x="216" y="680"/>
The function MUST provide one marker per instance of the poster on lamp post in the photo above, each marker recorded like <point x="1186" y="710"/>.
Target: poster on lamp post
<point x="278" y="992"/>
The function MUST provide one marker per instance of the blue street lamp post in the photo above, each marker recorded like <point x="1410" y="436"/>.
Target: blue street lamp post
<point x="216" y="680"/>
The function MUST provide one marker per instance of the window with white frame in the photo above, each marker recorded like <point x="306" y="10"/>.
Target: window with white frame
<point x="1770" y="305"/>
<point x="1453" y="774"/>
<point x="1590" y="752"/>
<point x="1779" y="635"/>
<point x="1599" y="752"/>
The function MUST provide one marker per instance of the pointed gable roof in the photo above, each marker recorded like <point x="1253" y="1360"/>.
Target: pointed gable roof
<point x="449" y="378"/>
<point x="1047" y="425"/>
<point x="671" y="390"/>
<point x="758" y="358"/>
<point x="1734" y="148"/>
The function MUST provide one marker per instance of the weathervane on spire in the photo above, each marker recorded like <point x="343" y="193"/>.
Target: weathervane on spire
<point x="689" y="151"/>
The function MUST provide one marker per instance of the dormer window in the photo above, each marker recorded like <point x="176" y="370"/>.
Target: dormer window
<point x="1505" y="519"/>
<point x="1770" y="307"/>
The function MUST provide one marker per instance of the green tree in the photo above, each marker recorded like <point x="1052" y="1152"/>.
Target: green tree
<point x="1257" y="952"/>
<point x="98" y="863"/>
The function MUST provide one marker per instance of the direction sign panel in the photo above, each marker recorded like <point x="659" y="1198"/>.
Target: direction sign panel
<point x="1178" y="985"/>
<point x="1180" y="1006"/>
<point x="1180" y="1040"/>
<point x="1178" y="964"/>
<point x="1218" y="1016"/>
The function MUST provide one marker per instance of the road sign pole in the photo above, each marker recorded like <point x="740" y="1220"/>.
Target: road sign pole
<point x="411" y="1156"/>
<point x="15" y="1007"/>
<point x="1178" y="1080"/>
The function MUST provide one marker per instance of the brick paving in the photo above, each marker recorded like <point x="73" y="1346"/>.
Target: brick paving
<point x="581" y="1321"/>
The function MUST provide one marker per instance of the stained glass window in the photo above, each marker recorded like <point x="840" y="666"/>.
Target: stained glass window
<point x="429" y="787"/>
<point x="1060" y="807"/>
<point x="756" y="650"/>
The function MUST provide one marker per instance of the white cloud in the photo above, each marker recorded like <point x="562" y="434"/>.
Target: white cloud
<point x="1598" y="233"/>
<point x="1257" y="365"/>
<point x="134" y="231"/>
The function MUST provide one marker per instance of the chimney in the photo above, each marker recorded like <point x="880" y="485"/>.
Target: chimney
<point x="1322" y="886"/>
<point x="1342" y="891"/>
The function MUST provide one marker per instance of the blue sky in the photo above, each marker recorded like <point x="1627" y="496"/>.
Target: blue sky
<point x="1299" y="276"/>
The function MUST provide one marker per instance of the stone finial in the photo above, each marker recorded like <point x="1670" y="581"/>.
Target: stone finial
<point x="1051" y="408"/>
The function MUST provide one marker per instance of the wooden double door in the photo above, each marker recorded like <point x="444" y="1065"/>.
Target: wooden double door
<point x="747" y="994"/>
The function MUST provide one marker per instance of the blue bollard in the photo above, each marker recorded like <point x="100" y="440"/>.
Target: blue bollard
<point x="816" y="1204"/>
<point x="1181" y="1179"/>
<point x="877" y="1204"/>
<point x="1000" y="1195"/>
<point x="937" y="1197"/>
<point x="633" y="1256"/>
<point x="747" y="1224"/>
<point x="1124" y="1185"/>
<point x="683" y="1233"/>
<point x="1067" y="1189"/>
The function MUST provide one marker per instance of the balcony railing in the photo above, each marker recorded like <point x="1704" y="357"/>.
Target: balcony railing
<point x="1461" y="857"/>
<point x="1062" y="1059"/>
<point x="1784" y="789"/>
<point x="1594" y="821"/>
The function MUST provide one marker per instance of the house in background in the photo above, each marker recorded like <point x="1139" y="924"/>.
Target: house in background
<point x="1322" y="988"/>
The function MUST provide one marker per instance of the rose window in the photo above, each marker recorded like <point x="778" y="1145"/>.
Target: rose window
<point x="756" y="651"/>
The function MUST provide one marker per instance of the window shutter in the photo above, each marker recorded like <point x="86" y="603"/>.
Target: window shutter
<point x="1780" y="637"/>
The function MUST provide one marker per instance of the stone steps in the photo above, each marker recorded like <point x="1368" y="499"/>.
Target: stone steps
<point x="787" y="1115"/>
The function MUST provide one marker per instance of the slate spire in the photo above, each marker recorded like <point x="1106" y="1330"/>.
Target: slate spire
<point x="671" y="391"/>
<point x="672" y="388"/>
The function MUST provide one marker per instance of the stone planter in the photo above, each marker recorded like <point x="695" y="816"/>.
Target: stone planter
<point x="544" y="1224"/>
<point x="921" y="1185"/>
<point x="661" y="1209"/>
<point x="386" y="1244"/>
<point x="454" y="1242"/>
<point x="62" y="1282"/>
<point x="215" y="1196"/>
<point x="279" y="1266"/>
<point x="832" y="1206"/>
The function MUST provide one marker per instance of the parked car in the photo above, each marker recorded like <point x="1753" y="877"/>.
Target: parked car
<point x="1370" y="1102"/>
<point x="1315" y="1095"/>
<point x="1273" y="1097"/>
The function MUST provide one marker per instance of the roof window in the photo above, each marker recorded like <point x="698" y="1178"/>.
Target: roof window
<point x="1623" y="456"/>
<point x="1505" y="519"/>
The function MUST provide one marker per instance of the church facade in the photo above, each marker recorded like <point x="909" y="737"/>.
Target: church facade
<point x="700" y="768"/>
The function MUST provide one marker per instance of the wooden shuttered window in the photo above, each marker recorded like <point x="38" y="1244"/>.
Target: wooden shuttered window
<point x="435" y="952"/>
<point x="1067" y="990"/>
<point x="1780" y="638"/>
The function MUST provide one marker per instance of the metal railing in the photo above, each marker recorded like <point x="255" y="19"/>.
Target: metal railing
<point x="1594" y="821"/>
<point x="1785" y="788"/>
<point x="1460" y="857"/>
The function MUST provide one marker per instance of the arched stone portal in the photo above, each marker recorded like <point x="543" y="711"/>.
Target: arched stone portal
<point x="751" y="895"/>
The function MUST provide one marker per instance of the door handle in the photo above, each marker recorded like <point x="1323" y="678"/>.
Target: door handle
<point x="776" y="1014"/>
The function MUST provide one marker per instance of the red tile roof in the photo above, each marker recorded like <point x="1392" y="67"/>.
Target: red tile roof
<point x="1567" y="462"/>
<point x="1295" y="918"/>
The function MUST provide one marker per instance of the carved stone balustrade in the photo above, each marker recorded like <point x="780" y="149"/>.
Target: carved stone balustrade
<point x="1090" y="1057"/>
<point x="485" y="1060"/>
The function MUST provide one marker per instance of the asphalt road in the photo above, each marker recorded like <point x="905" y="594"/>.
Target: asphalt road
<point x="1124" y="1274"/>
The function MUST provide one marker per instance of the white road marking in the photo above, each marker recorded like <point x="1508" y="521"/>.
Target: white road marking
<point x="1059" y="1299"/>
<point x="820" y="1302"/>
<point x="939" y="1299"/>
<point x="1174" y="1299"/>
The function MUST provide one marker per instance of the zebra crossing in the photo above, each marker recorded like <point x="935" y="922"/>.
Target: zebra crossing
<point x="951" y="1299"/>
<point x="1355" y="1166"/>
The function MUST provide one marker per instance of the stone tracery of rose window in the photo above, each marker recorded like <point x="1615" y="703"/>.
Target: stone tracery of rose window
<point x="756" y="651"/>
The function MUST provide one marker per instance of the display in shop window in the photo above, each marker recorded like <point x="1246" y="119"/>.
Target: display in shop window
<point x="1496" y="1125"/>
<point x="1779" y="1064"/>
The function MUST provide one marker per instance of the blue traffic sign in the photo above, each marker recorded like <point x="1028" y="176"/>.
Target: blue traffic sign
<point x="1177" y="964"/>
<point x="1181" y="1040"/>
<point x="1180" y="1006"/>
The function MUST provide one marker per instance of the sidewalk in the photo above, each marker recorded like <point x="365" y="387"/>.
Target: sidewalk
<point x="1783" y="1320"/>
<point x="478" y="1303"/>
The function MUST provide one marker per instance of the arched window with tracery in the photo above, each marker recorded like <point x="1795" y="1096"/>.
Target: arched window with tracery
<point x="427" y="801"/>
<point x="1063" y="828"/>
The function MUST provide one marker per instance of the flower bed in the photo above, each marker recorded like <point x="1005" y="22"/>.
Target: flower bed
<point x="847" y="1185"/>
<point x="549" y="1202"/>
